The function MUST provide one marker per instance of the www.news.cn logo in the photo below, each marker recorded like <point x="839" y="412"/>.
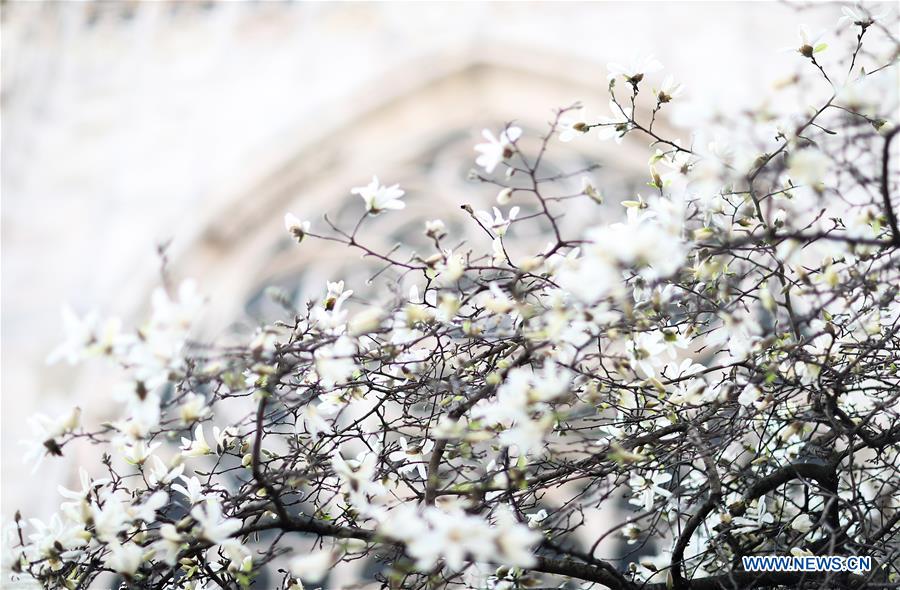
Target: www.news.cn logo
<point x="807" y="563"/>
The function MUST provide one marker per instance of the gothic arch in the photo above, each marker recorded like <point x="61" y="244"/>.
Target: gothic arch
<point x="420" y="136"/>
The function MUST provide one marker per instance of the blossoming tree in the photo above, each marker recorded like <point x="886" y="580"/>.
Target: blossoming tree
<point x="725" y="355"/>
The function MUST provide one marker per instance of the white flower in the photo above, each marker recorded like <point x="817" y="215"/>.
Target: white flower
<point x="643" y="245"/>
<point x="495" y="300"/>
<point x="647" y="488"/>
<point x="860" y="16"/>
<point x="45" y="430"/>
<point x="79" y="335"/>
<point x="412" y="457"/>
<point x="224" y="438"/>
<point x="552" y="382"/>
<point x="47" y="539"/>
<point x="142" y="418"/>
<point x="111" y="518"/>
<point x="55" y="427"/>
<point x="809" y="44"/>
<point x="192" y="489"/>
<point x="536" y="518"/>
<point x="313" y="567"/>
<point x="240" y="557"/>
<point x="751" y="395"/>
<point x="808" y="166"/>
<point x="615" y="126"/>
<point x="756" y="517"/>
<point x="366" y="321"/>
<point x="298" y="229"/>
<point x="357" y="475"/>
<point x="448" y="306"/>
<point x="497" y="223"/>
<point x="85" y="337"/>
<point x="311" y="420"/>
<point x="634" y="70"/>
<point x="435" y="229"/>
<point x="135" y="452"/>
<point x="334" y="363"/>
<point x="632" y="533"/>
<point x="526" y="436"/>
<point x="124" y="559"/>
<point x="455" y="537"/>
<point x="160" y="473"/>
<point x="452" y="267"/>
<point x="336" y="295"/>
<point x="87" y="486"/>
<point x="213" y="526"/>
<point x="176" y="315"/>
<point x="197" y="447"/>
<point x="646" y="350"/>
<point x="496" y="150"/>
<point x="514" y="540"/>
<point x="693" y="392"/>
<point x="147" y="510"/>
<point x="169" y="544"/>
<point x="571" y="127"/>
<point x="451" y="537"/>
<point x="193" y="407"/>
<point x="379" y="198"/>
<point x="669" y="90"/>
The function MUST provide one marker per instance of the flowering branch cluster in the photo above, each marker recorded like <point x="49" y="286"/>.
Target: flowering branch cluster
<point x="725" y="355"/>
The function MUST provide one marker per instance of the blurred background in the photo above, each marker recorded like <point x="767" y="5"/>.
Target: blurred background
<point x="132" y="125"/>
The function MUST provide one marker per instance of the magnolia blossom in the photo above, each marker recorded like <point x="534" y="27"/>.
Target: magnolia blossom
<point x="378" y="197"/>
<point x="634" y="70"/>
<point x="860" y="16"/>
<point x="435" y="229"/>
<point x="452" y="267"/>
<point x="56" y="538"/>
<point x="85" y="337"/>
<point x="412" y="457"/>
<point x="193" y="407"/>
<point x="196" y="447"/>
<point x="452" y="537"/>
<point x="214" y="527"/>
<point x="169" y="544"/>
<point x="365" y="321"/>
<point x="191" y="488"/>
<point x="808" y="166"/>
<point x="496" y="150"/>
<point x="668" y="90"/>
<point x="809" y="43"/>
<point x="312" y="421"/>
<point x="647" y="488"/>
<point x="313" y="567"/>
<point x="519" y="407"/>
<point x="124" y="559"/>
<point x="336" y="295"/>
<point x="298" y="229"/>
<point x="571" y="127"/>
<point x="160" y="473"/>
<point x="45" y="431"/>
<point x="335" y="363"/>
<point x="358" y="475"/>
<point x="614" y="126"/>
<point x="497" y="223"/>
